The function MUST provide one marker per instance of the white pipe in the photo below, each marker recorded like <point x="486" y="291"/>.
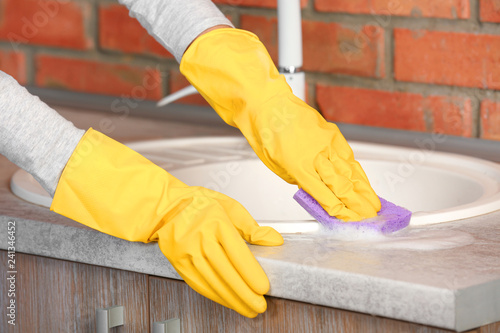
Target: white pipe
<point x="290" y="46"/>
<point x="189" y="90"/>
<point x="290" y="34"/>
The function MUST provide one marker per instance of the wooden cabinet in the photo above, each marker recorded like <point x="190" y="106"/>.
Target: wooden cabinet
<point x="60" y="296"/>
<point x="170" y="298"/>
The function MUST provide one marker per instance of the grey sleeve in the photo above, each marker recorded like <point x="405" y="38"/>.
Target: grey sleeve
<point x="175" y="23"/>
<point x="34" y="136"/>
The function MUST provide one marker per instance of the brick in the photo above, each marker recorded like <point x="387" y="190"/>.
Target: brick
<point x="398" y="110"/>
<point x="46" y="22"/>
<point x="120" y="32"/>
<point x="450" y="115"/>
<point x="489" y="11"/>
<point x="448" y="58"/>
<point x="254" y="3"/>
<point x="451" y="9"/>
<point x="98" y="77"/>
<point x="328" y="47"/>
<point x="333" y="48"/>
<point x="490" y="120"/>
<point x="177" y="82"/>
<point x="14" y="64"/>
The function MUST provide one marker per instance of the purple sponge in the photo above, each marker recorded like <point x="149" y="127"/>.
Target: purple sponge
<point x="391" y="218"/>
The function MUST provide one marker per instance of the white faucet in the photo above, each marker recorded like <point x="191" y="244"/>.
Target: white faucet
<point x="290" y="46"/>
<point x="289" y="50"/>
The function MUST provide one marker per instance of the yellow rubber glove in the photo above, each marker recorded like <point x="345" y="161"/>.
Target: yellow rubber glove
<point x="110" y="188"/>
<point x="233" y="71"/>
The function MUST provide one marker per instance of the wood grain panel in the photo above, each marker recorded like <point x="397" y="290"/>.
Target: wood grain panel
<point x="174" y="299"/>
<point x="60" y="296"/>
<point x="492" y="328"/>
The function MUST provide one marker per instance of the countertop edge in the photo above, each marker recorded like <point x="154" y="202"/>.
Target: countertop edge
<point x="407" y="301"/>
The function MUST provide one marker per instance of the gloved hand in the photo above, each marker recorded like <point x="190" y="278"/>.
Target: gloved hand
<point x="235" y="74"/>
<point x="109" y="187"/>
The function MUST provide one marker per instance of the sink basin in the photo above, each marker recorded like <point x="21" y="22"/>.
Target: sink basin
<point x="436" y="187"/>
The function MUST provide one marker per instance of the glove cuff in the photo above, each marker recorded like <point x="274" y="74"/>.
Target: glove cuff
<point x="111" y="188"/>
<point x="234" y="72"/>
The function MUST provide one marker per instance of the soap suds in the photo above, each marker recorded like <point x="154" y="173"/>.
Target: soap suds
<point x="413" y="238"/>
<point x="427" y="240"/>
<point x="348" y="233"/>
<point x="409" y="239"/>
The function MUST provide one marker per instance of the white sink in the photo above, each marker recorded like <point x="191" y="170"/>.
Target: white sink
<point x="436" y="187"/>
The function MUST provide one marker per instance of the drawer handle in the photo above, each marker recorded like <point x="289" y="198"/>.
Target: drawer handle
<point x="167" y="326"/>
<point x="108" y="318"/>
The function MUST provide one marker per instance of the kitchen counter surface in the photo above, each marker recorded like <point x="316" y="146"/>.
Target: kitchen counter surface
<point x="444" y="275"/>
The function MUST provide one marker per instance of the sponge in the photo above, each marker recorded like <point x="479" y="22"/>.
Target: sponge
<point x="389" y="219"/>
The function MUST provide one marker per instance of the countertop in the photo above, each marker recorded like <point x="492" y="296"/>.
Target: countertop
<point x="444" y="275"/>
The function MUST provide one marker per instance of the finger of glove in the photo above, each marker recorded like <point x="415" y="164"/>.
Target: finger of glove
<point x="249" y="229"/>
<point x="264" y="236"/>
<point x="244" y="261"/>
<point x="218" y="273"/>
<point x="198" y="282"/>
<point x="362" y="185"/>
<point x="347" y="184"/>
<point x="358" y="177"/>
<point x="231" y="281"/>
<point x="193" y="277"/>
<point x="327" y="199"/>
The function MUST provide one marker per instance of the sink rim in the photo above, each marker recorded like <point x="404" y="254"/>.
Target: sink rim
<point x="487" y="203"/>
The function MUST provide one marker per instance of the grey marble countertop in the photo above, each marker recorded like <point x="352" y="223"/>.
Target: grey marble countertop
<point x="444" y="275"/>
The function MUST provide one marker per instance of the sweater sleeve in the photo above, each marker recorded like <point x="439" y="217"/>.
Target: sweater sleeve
<point x="175" y="23"/>
<point x="34" y="136"/>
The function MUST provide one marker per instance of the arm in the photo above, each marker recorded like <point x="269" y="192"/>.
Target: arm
<point x="175" y="24"/>
<point x="34" y="136"/>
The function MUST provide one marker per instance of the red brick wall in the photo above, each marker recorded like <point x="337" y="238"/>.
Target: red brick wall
<point x="418" y="65"/>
